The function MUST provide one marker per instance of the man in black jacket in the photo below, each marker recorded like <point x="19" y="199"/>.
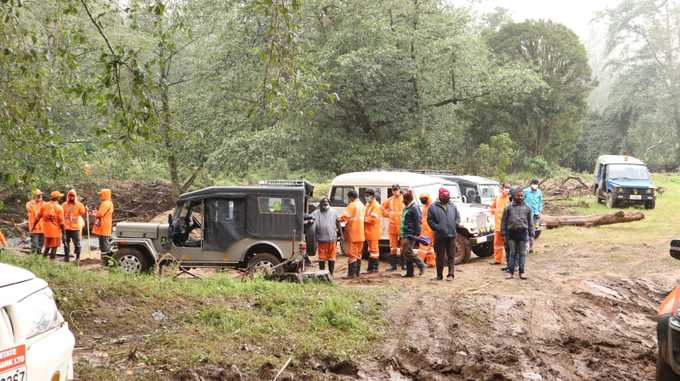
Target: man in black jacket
<point x="443" y="218"/>
<point x="517" y="227"/>
<point x="411" y="227"/>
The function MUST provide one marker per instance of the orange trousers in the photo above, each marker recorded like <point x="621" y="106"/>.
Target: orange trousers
<point x="373" y="249"/>
<point x="394" y="244"/>
<point x="326" y="251"/>
<point x="355" y="250"/>
<point x="426" y="253"/>
<point x="498" y="247"/>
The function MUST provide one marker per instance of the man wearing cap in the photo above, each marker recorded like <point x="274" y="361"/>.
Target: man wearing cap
<point x="52" y="217"/>
<point x="74" y="210"/>
<point x="443" y="218"/>
<point x="35" y="228"/>
<point x="533" y="197"/>
<point x="393" y="208"/>
<point x="325" y="227"/>
<point x="103" y="224"/>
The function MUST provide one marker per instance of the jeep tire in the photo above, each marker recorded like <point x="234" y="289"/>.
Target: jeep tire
<point x="263" y="262"/>
<point x="463" y="249"/>
<point x="651" y="204"/>
<point x="132" y="260"/>
<point x="484" y="250"/>
<point x="664" y="372"/>
<point x="611" y="201"/>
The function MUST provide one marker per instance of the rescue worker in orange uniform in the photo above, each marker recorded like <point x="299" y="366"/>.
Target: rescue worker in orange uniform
<point x="74" y="210"/>
<point x="393" y="208"/>
<point x="3" y="240"/>
<point x="497" y="207"/>
<point x="325" y="225"/>
<point x="372" y="230"/>
<point x="426" y="252"/>
<point x="52" y="217"/>
<point x="103" y="224"/>
<point x="35" y="228"/>
<point x="353" y="217"/>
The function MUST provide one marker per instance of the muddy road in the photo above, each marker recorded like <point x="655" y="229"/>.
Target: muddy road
<point x="587" y="312"/>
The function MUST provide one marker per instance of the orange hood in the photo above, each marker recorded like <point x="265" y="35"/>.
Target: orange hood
<point x="75" y="195"/>
<point x="105" y="194"/>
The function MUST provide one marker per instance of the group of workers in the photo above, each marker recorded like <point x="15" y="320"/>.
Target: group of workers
<point x="517" y="213"/>
<point x="431" y="225"/>
<point x="53" y="223"/>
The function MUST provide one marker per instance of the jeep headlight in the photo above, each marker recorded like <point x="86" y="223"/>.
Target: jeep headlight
<point x="39" y="313"/>
<point x="618" y="189"/>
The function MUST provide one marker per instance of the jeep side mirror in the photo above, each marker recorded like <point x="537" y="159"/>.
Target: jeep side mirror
<point x="464" y="199"/>
<point x="675" y="249"/>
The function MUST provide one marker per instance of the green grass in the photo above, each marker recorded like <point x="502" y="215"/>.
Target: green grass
<point x="659" y="224"/>
<point x="218" y="320"/>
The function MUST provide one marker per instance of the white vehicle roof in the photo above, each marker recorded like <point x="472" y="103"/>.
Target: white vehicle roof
<point x="619" y="159"/>
<point x="475" y="179"/>
<point x="17" y="283"/>
<point x="384" y="178"/>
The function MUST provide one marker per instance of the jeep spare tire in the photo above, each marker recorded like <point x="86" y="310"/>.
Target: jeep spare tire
<point x="463" y="249"/>
<point x="132" y="260"/>
<point x="263" y="263"/>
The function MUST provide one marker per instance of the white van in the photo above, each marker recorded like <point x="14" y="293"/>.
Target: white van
<point x="477" y="223"/>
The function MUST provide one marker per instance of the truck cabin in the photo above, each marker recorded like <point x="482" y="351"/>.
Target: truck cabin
<point x="618" y="167"/>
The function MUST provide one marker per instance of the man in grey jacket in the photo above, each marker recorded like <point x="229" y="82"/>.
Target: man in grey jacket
<point x="517" y="227"/>
<point x="326" y="234"/>
<point x="443" y="218"/>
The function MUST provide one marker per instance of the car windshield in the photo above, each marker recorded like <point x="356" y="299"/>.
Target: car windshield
<point x="628" y="172"/>
<point x="489" y="191"/>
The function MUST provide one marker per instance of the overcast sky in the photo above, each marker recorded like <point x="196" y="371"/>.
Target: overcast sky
<point x="576" y="14"/>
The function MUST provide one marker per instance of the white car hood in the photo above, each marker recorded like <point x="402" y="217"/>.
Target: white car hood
<point x="17" y="283"/>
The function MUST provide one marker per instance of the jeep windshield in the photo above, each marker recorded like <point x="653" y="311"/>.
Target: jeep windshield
<point x="627" y="172"/>
<point x="488" y="191"/>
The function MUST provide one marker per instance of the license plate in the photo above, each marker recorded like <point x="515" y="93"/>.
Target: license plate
<point x="13" y="364"/>
<point x="17" y="374"/>
<point x="481" y="239"/>
<point x="635" y="197"/>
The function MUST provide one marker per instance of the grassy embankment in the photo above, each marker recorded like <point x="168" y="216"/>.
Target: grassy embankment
<point x="221" y="321"/>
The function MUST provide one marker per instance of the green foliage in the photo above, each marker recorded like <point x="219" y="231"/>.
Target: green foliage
<point x="496" y="157"/>
<point x="538" y="166"/>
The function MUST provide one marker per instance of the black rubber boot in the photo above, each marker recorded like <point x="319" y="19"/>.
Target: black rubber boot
<point x="409" y="269"/>
<point x="322" y="265"/>
<point x="357" y="270"/>
<point x="393" y="263"/>
<point x="331" y="267"/>
<point x="350" y="270"/>
<point x="374" y="263"/>
<point x="421" y="266"/>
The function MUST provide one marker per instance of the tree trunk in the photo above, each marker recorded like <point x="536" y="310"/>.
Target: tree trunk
<point x="166" y="119"/>
<point x="594" y="220"/>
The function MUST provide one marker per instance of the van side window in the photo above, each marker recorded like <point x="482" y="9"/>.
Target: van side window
<point x="339" y="196"/>
<point x="362" y="194"/>
<point x="389" y="191"/>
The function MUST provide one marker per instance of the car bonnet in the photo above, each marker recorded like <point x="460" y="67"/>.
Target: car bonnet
<point x="17" y="283"/>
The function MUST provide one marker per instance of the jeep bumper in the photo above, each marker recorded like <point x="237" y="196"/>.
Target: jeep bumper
<point x="481" y="239"/>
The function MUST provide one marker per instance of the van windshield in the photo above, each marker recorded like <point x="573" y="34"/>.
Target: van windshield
<point x="627" y="172"/>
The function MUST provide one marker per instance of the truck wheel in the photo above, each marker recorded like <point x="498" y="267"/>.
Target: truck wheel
<point x="611" y="201"/>
<point x="484" y="250"/>
<point x="664" y="372"/>
<point x="132" y="261"/>
<point x="651" y="204"/>
<point x="263" y="262"/>
<point x="463" y="249"/>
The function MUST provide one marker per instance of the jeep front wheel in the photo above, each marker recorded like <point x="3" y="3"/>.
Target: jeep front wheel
<point x="463" y="249"/>
<point x="651" y="204"/>
<point x="263" y="263"/>
<point x="611" y="200"/>
<point x="132" y="261"/>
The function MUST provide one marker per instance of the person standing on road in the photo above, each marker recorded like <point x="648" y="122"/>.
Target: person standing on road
<point x="497" y="207"/>
<point x="74" y="210"/>
<point x="35" y="228"/>
<point x="411" y="227"/>
<point x="426" y="252"/>
<point x="52" y="216"/>
<point x="393" y="207"/>
<point x="372" y="230"/>
<point x="103" y="224"/>
<point x="443" y="218"/>
<point x="518" y="229"/>
<point x="533" y="197"/>
<point x="326" y="234"/>
<point x="354" y="233"/>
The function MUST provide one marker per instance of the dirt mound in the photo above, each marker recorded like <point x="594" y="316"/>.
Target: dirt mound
<point x="133" y="200"/>
<point x="599" y="332"/>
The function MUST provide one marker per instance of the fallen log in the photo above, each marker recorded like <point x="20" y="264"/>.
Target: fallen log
<point x="552" y="222"/>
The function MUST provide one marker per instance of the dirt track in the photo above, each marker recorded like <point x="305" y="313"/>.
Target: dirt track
<point x="582" y="315"/>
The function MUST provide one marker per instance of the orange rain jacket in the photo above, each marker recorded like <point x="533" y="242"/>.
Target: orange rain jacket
<point x="354" y="218"/>
<point x="426" y="231"/>
<point x="52" y="217"/>
<point x="72" y="212"/>
<point x="33" y="208"/>
<point x="3" y="240"/>
<point x="373" y="221"/>
<point x="393" y="208"/>
<point x="498" y="206"/>
<point x="104" y="215"/>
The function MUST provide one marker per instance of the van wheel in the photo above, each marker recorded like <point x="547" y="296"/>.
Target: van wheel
<point x="132" y="261"/>
<point x="263" y="263"/>
<point x="463" y="249"/>
<point x="611" y="201"/>
<point x="663" y="371"/>
<point x="651" y="204"/>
